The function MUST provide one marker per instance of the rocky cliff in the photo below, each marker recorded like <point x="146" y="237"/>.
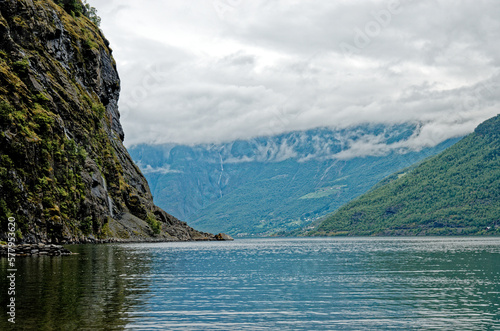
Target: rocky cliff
<point x="65" y="175"/>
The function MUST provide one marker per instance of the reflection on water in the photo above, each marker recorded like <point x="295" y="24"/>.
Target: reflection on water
<point x="268" y="284"/>
<point x="88" y="291"/>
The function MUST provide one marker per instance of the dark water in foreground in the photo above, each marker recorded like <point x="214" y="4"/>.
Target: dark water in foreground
<point x="263" y="284"/>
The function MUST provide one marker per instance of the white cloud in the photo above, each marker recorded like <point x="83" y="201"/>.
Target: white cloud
<point x="148" y="169"/>
<point x="198" y="71"/>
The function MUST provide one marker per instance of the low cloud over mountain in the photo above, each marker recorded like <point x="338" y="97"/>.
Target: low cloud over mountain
<point x="216" y="71"/>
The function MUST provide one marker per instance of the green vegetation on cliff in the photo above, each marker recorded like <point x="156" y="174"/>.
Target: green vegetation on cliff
<point x="454" y="193"/>
<point x="76" y="8"/>
<point x="64" y="172"/>
<point x="40" y="164"/>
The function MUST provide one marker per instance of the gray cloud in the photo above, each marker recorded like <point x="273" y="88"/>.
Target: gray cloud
<point x="202" y="71"/>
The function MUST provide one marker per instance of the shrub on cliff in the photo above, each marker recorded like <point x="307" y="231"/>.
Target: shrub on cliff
<point x="77" y="8"/>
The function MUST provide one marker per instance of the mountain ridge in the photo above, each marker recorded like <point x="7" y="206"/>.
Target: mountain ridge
<point x="453" y="193"/>
<point x="273" y="184"/>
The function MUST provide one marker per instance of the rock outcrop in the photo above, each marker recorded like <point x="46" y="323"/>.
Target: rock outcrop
<point x="33" y="249"/>
<point x="65" y="175"/>
<point x="223" y="237"/>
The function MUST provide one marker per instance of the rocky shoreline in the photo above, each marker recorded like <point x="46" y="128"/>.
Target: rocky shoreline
<point x="59" y="250"/>
<point x="93" y="240"/>
<point x="223" y="237"/>
<point x="34" y="249"/>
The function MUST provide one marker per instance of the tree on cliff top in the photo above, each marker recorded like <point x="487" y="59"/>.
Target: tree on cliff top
<point x="77" y="8"/>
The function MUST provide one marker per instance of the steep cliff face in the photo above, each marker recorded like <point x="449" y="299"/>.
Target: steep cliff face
<point x="65" y="175"/>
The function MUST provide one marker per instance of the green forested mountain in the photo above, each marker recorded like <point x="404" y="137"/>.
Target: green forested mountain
<point x="456" y="192"/>
<point x="275" y="184"/>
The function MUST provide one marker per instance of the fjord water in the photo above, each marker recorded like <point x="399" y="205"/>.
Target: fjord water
<point x="264" y="284"/>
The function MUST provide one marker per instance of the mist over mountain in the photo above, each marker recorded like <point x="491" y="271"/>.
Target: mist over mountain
<point x="453" y="193"/>
<point x="194" y="73"/>
<point x="277" y="183"/>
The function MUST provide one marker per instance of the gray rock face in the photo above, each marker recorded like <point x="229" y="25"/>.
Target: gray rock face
<point x="64" y="173"/>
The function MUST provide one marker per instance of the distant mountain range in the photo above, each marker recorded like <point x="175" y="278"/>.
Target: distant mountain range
<point x="268" y="185"/>
<point x="454" y="193"/>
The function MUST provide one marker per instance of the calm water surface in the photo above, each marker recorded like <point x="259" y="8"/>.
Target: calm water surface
<point x="264" y="284"/>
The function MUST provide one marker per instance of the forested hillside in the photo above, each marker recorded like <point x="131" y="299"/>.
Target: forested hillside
<point x="456" y="192"/>
<point x="272" y="184"/>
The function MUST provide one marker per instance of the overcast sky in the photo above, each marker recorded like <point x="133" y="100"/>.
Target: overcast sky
<point x="209" y="71"/>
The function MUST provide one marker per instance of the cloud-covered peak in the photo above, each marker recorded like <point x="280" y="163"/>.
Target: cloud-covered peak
<point x="216" y="71"/>
<point x="301" y="146"/>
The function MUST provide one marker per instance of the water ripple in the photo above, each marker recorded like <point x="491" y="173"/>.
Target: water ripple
<point x="323" y="284"/>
